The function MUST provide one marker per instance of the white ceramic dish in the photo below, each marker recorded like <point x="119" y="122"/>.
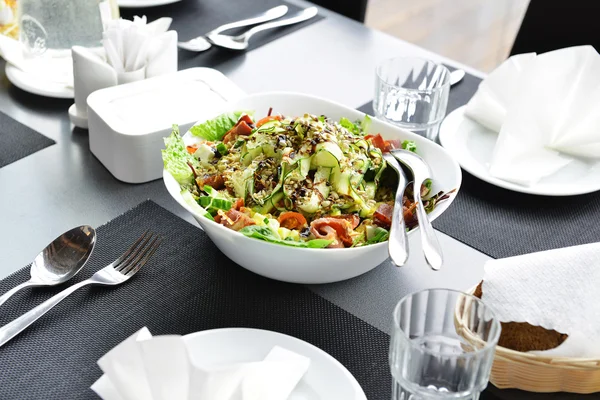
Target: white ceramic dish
<point x="326" y="378"/>
<point x="36" y="84"/>
<point x="127" y="122"/>
<point x="317" y="265"/>
<point x="144" y="3"/>
<point x="472" y="145"/>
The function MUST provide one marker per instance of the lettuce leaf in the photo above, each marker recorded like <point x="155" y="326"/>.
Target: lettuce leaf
<point x="379" y="235"/>
<point x="214" y="129"/>
<point x="176" y="158"/>
<point x="409" y="145"/>
<point x="350" y="126"/>
<point x="264" y="233"/>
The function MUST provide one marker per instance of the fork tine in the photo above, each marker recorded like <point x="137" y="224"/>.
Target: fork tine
<point x="141" y="261"/>
<point x="135" y="248"/>
<point x="133" y="260"/>
<point x="130" y="249"/>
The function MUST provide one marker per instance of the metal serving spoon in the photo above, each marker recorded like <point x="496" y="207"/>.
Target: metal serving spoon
<point x="397" y="242"/>
<point x="202" y="44"/>
<point x="240" y="42"/>
<point x="421" y="172"/>
<point x="60" y="260"/>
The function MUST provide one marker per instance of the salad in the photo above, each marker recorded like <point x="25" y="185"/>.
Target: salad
<point x="303" y="181"/>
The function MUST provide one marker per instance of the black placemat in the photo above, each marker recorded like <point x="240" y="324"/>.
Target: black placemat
<point x="189" y="285"/>
<point x="18" y="141"/>
<point x="192" y="18"/>
<point x="502" y="223"/>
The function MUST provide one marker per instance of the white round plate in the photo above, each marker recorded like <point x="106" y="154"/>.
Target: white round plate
<point x="326" y="378"/>
<point x="472" y="146"/>
<point x="36" y="84"/>
<point x="144" y="3"/>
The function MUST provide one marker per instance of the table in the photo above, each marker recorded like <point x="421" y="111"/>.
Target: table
<point x="64" y="185"/>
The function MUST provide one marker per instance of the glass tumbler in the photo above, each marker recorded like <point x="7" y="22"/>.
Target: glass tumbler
<point x="430" y="358"/>
<point x="412" y="93"/>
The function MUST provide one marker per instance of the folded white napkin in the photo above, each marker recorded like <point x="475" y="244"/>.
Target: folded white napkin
<point x="545" y="110"/>
<point x="556" y="289"/>
<point x="159" y="368"/>
<point x="134" y="45"/>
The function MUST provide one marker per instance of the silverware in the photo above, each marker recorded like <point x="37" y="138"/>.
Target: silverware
<point x="61" y="260"/>
<point x="240" y="42"/>
<point x="397" y="242"/>
<point x="421" y="172"/>
<point x="201" y="44"/>
<point x="456" y="76"/>
<point x="115" y="273"/>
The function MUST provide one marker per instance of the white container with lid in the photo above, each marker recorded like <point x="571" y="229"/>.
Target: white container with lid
<point x="127" y="123"/>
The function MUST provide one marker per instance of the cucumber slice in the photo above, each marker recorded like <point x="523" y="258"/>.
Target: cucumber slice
<point x="370" y="189"/>
<point x="321" y="181"/>
<point x="310" y="204"/>
<point x="340" y="181"/>
<point x="250" y="155"/>
<point x="271" y="204"/>
<point x="195" y="207"/>
<point x="327" y="154"/>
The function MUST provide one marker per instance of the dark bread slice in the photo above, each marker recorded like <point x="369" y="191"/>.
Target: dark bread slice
<point x="521" y="336"/>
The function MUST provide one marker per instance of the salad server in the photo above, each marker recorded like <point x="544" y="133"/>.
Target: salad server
<point x="200" y="43"/>
<point x="240" y="42"/>
<point x="397" y="242"/>
<point x="61" y="260"/>
<point x="421" y="172"/>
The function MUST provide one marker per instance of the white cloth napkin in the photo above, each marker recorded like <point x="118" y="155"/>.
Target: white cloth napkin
<point x="545" y="109"/>
<point x="133" y="45"/>
<point x="556" y="289"/>
<point x="159" y="368"/>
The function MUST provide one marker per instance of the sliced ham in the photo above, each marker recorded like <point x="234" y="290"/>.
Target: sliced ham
<point x="352" y="218"/>
<point x="383" y="215"/>
<point x="335" y="229"/>
<point x="215" y="181"/>
<point x="233" y="219"/>
<point x="242" y="128"/>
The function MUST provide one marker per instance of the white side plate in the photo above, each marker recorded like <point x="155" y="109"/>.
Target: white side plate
<point x="472" y="146"/>
<point x="326" y="378"/>
<point x="36" y="84"/>
<point x="144" y="3"/>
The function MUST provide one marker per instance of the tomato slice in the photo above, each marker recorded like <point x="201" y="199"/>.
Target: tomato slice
<point x="291" y="220"/>
<point x="267" y="119"/>
<point x="384" y="145"/>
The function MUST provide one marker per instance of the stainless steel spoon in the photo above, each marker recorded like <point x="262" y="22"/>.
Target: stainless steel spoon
<point x="240" y="42"/>
<point x="456" y="76"/>
<point x="397" y="242"/>
<point x="60" y="260"/>
<point x="421" y="172"/>
<point x="200" y="43"/>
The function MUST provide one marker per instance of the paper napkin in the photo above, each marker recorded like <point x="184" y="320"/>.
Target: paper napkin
<point x="545" y="110"/>
<point x="134" y="45"/>
<point x="556" y="289"/>
<point x="160" y="368"/>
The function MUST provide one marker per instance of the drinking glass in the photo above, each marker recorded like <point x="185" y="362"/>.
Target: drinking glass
<point x="412" y="93"/>
<point x="54" y="26"/>
<point x="429" y="357"/>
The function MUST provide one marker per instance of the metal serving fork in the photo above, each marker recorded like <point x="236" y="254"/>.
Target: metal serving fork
<point x="115" y="273"/>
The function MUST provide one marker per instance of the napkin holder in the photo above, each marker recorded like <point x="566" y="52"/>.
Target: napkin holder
<point x="127" y="123"/>
<point x="533" y="372"/>
<point x="92" y="72"/>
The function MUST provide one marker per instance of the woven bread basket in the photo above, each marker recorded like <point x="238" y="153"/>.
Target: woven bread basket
<point x="536" y="373"/>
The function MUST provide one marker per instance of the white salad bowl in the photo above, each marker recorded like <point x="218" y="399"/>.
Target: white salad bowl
<point x="304" y="265"/>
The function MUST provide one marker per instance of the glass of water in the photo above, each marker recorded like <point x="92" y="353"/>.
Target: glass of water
<point x="412" y="93"/>
<point x="52" y="27"/>
<point x="430" y="358"/>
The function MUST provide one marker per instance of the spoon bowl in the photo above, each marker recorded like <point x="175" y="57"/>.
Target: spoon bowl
<point x="61" y="260"/>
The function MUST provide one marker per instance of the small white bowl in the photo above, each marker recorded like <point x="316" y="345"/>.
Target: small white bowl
<point x="300" y="265"/>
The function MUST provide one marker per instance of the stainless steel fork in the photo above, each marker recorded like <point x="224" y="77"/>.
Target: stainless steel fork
<point x="115" y="273"/>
